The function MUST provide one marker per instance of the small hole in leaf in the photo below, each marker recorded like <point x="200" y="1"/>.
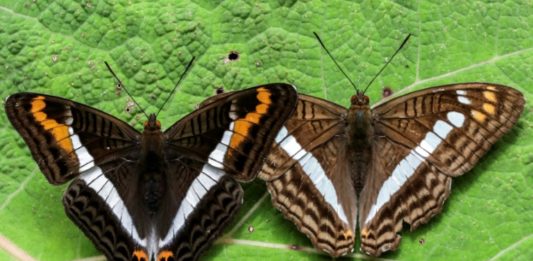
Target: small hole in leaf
<point x="130" y="105"/>
<point x="233" y="56"/>
<point x="387" y="91"/>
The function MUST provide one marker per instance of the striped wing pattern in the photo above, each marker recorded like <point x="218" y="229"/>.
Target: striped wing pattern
<point x="420" y="142"/>
<point x="139" y="204"/>
<point x="430" y="136"/>
<point x="302" y="165"/>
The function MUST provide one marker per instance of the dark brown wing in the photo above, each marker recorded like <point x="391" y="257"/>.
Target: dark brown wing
<point x="96" y="219"/>
<point x="307" y="182"/>
<point x="239" y="126"/>
<point x="66" y="138"/>
<point x="225" y="139"/>
<point x="422" y="140"/>
<point x="70" y="140"/>
<point x="205" y="223"/>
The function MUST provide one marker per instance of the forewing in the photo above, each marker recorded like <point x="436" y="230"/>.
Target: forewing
<point x="453" y="124"/>
<point x="422" y="140"/>
<point x="236" y="129"/>
<point x="307" y="177"/>
<point x="65" y="137"/>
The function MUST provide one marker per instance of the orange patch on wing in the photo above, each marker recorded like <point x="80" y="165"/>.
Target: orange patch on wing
<point x="489" y="96"/>
<point x="261" y="108"/>
<point x="243" y="125"/>
<point x="39" y="116"/>
<point x="263" y="95"/>
<point x="140" y="255"/>
<point x="348" y="233"/>
<point x="489" y="108"/>
<point x="478" y="116"/>
<point x="365" y="232"/>
<point x="241" y="129"/>
<point x="37" y="104"/>
<point x="253" y="117"/>
<point x="58" y="130"/>
<point x="165" y="255"/>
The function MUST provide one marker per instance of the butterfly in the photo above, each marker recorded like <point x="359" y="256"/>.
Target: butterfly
<point x="333" y="169"/>
<point x="152" y="195"/>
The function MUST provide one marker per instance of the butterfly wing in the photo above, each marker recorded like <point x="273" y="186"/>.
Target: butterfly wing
<point x="305" y="180"/>
<point x="224" y="140"/>
<point x="422" y="140"/>
<point x="70" y="140"/>
<point x="67" y="138"/>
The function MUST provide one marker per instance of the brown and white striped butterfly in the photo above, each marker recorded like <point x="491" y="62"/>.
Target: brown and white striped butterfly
<point x="333" y="169"/>
<point x="152" y="195"/>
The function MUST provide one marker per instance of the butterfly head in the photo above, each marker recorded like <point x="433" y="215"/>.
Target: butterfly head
<point x="360" y="99"/>
<point x="152" y="124"/>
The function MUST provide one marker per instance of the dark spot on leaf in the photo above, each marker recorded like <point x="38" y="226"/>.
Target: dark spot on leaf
<point x="130" y="105"/>
<point x="219" y="90"/>
<point x="387" y="91"/>
<point x="233" y="56"/>
<point x="422" y="241"/>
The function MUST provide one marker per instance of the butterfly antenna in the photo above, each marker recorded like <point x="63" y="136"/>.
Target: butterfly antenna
<point x="331" y="56"/>
<point x="387" y="63"/>
<point x="121" y="85"/>
<point x="178" y="83"/>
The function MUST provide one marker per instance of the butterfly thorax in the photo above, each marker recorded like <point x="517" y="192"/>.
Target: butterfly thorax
<point x="359" y="134"/>
<point x="359" y="122"/>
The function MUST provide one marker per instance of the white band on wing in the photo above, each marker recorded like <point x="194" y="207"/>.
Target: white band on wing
<point x="312" y="168"/>
<point x="408" y="166"/>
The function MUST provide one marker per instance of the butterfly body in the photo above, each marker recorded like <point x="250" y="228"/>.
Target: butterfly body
<point x="358" y="135"/>
<point x="333" y="169"/>
<point x="152" y="195"/>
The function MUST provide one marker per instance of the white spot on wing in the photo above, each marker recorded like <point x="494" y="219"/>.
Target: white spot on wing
<point x="463" y="100"/>
<point x="217" y="156"/>
<point x="114" y="198"/>
<point x="85" y="159"/>
<point x="442" y="128"/>
<point x="106" y="190"/>
<point x="456" y="118"/>
<point x="291" y="145"/>
<point x="69" y="121"/>
<point x="226" y="137"/>
<point x="461" y="97"/>
<point x="430" y="142"/>
<point x="281" y="134"/>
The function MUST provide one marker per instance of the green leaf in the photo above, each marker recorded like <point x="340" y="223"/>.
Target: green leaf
<point x="58" y="47"/>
